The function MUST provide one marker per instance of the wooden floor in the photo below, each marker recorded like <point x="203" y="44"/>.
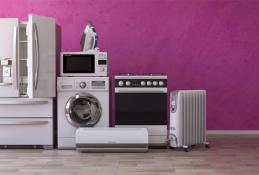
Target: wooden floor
<point x="227" y="155"/>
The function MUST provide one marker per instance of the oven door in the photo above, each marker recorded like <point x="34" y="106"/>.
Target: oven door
<point x="138" y="108"/>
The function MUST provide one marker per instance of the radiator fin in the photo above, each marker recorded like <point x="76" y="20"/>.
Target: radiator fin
<point x="194" y="116"/>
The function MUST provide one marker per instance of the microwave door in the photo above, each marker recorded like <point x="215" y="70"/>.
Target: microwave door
<point x="41" y="56"/>
<point x="9" y="67"/>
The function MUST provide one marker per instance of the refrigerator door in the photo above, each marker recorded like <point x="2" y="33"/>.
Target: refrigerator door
<point x="41" y="32"/>
<point x="9" y="39"/>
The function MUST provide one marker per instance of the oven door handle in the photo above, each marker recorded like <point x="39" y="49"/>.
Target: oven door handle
<point x="137" y="90"/>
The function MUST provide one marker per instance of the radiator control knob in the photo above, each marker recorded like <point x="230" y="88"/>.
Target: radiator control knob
<point x="155" y="83"/>
<point x="82" y="84"/>
<point x="149" y="83"/>
<point x="161" y="83"/>
<point x="120" y="83"/>
<point x="128" y="83"/>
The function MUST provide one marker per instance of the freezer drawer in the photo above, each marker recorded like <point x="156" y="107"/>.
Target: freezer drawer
<point x="26" y="131"/>
<point x="26" y="107"/>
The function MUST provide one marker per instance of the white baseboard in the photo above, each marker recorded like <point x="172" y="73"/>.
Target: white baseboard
<point x="232" y="132"/>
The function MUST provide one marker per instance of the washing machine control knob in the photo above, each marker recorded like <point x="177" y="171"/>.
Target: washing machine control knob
<point x="82" y="84"/>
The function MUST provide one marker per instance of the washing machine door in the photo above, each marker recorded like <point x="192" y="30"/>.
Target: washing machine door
<point x="83" y="110"/>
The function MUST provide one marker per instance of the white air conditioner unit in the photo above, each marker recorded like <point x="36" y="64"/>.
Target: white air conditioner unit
<point x="111" y="139"/>
<point x="187" y="118"/>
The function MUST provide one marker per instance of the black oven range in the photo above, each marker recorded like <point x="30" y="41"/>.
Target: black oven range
<point x="141" y="101"/>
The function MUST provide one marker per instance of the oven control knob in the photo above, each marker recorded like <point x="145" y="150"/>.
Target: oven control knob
<point x="142" y="83"/>
<point x="120" y="83"/>
<point x="148" y="83"/>
<point x="82" y="84"/>
<point x="161" y="83"/>
<point x="128" y="83"/>
<point x="155" y="83"/>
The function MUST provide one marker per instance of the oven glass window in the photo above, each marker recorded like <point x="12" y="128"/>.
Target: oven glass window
<point x="140" y="109"/>
<point x="78" y="63"/>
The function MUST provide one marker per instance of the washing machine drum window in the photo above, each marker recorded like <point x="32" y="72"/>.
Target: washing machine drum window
<point x="83" y="110"/>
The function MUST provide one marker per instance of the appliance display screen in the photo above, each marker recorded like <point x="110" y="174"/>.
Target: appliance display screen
<point x="78" y="63"/>
<point x="98" y="83"/>
<point x="102" y="62"/>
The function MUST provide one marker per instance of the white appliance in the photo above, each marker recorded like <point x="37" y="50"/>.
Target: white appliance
<point x="89" y="38"/>
<point x="89" y="63"/>
<point x="141" y="102"/>
<point x="27" y="81"/>
<point x="112" y="139"/>
<point x="28" y="55"/>
<point x="187" y="118"/>
<point x="82" y="102"/>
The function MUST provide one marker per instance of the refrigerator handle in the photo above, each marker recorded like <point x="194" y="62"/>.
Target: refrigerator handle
<point x="17" y="102"/>
<point x="36" y="39"/>
<point x="21" y="122"/>
<point x="15" y="58"/>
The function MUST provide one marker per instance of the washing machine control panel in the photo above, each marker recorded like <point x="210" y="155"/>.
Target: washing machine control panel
<point x="82" y="83"/>
<point x="91" y="84"/>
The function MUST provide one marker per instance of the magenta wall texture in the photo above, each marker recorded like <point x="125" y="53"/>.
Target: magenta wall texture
<point x="207" y="44"/>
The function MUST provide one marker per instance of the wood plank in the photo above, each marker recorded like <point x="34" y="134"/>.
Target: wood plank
<point x="227" y="155"/>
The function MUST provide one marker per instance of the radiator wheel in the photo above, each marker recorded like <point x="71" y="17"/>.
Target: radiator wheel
<point x="186" y="148"/>
<point x="207" y="145"/>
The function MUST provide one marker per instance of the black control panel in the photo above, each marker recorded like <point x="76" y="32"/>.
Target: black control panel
<point x="141" y="83"/>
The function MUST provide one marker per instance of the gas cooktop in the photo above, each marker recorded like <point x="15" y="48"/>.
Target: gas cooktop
<point x="141" y="74"/>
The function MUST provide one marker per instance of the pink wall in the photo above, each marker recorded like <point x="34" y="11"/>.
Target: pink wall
<point x="208" y="44"/>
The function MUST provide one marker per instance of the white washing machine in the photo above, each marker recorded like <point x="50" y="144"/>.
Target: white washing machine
<point x="82" y="102"/>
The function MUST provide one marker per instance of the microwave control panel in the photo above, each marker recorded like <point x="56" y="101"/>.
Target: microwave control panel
<point x="102" y="62"/>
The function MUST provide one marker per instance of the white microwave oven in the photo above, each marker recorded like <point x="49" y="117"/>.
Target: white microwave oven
<point x="88" y="63"/>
